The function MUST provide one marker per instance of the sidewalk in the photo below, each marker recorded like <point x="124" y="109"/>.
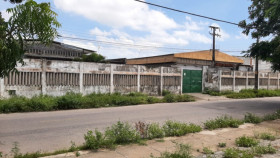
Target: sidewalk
<point x="197" y="141"/>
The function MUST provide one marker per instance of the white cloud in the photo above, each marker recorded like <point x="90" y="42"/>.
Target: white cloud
<point x="121" y="13"/>
<point x="96" y="31"/>
<point x="241" y="36"/>
<point x="5" y="15"/>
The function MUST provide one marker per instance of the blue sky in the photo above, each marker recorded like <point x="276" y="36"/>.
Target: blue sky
<point x="125" y="28"/>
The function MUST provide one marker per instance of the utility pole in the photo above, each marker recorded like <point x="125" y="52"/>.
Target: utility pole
<point x="257" y="68"/>
<point x="214" y="28"/>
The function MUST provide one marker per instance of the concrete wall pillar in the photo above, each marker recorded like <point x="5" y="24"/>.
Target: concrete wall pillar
<point x="204" y="75"/>
<point x="161" y="80"/>
<point x="268" y="81"/>
<point x="219" y="80"/>
<point x="44" y="77"/>
<point x="259" y="80"/>
<point x="233" y="83"/>
<point x="138" y="78"/>
<point x="2" y="87"/>
<point x="278" y="78"/>
<point x="182" y="77"/>
<point x="81" y="77"/>
<point x="112" y="79"/>
<point x="247" y="80"/>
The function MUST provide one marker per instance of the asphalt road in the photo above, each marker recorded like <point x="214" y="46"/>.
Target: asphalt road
<point x="49" y="131"/>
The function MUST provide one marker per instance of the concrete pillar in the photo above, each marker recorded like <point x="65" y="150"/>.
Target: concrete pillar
<point x="219" y="80"/>
<point x="112" y="79"/>
<point x="44" y="77"/>
<point x="182" y="77"/>
<point x="2" y="87"/>
<point x="81" y="78"/>
<point x="268" y="81"/>
<point x="138" y="78"/>
<point x="247" y="80"/>
<point x="161" y="80"/>
<point x="259" y="80"/>
<point x="278" y="78"/>
<point x="204" y="74"/>
<point x="233" y="83"/>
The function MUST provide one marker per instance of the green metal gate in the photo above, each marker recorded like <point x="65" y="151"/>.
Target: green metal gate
<point x="192" y="81"/>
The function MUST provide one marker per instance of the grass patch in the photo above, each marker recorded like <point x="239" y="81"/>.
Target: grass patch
<point x="222" y="122"/>
<point x="245" y="141"/>
<point x="222" y="145"/>
<point x="182" y="151"/>
<point x="271" y="117"/>
<point x="207" y="151"/>
<point x="256" y="151"/>
<point x="77" y="101"/>
<point x="265" y="136"/>
<point x="175" y="128"/>
<point x="252" y="118"/>
<point x="261" y="150"/>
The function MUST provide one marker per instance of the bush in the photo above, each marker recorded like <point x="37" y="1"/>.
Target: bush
<point x="184" y="98"/>
<point x="152" y="100"/>
<point x="251" y="118"/>
<point x="241" y="95"/>
<point x="222" y="122"/>
<point x="14" y="104"/>
<point x="207" y="151"/>
<point x="245" y="141"/>
<point x="266" y="136"/>
<point x="165" y="92"/>
<point x="69" y="101"/>
<point x="173" y="128"/>
<point x="222" y="145"/>
<point x="122" y="133"/>
<point x="260" y="150"/>
<point x="236" y="153"/>
<point x="270" y="117"/>
<point x="182" y="151"/>
<point x="99" y="140"/>
<point x="155" y="131"/>
<point x="170" y="98"/>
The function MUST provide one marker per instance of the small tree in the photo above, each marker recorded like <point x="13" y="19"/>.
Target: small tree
<point x="28" y="21"/>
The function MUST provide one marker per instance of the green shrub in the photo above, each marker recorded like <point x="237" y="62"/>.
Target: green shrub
<point x="222" y="122"/>
<point x="152" y="100"/>
<point x="122" y="133"/>
<point x="251" y="118"/>
<point x="165" y="92"/>
<point x="222" y="145"/>
<point x="207" y="151"/>
<point x="14" y="104"/>
<point x="154" y="131"/>
<point x="260" y="150"/>
<point x="99" y="140"/>
<point x="184" y="98"/>
<point x="270" y="117"/>
<point x="174" y="128"/>
<point x="241" y="95"/>
<point x="245" y="141"/>
<point x="236" y="153"/>
<point x="170" y="98"/>
<point x="266" y="136"/>
<point x="69" y="101"/>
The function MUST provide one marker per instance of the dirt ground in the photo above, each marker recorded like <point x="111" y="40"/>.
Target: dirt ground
<point x="198" y="141"/>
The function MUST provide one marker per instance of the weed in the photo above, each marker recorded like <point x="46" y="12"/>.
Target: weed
<point x="270" y="117"/>
<point x="155" y="131"/>
<point x="207" y="151"/>
<point x="222" y="122"/>
<point x="174" y="128"/>
<point x="160" y="140"/>
<point x="15" y="150"/>
<point x="184" y="98"/>
<point x="169" y="98"/>
<point x="122" y="133"/>
<point x="236" y="153"/>
<point x="222" y="145"/>
<point x="97" y="141"/>
<point x="73" y="147"/>
<point x="69" y="101"/>
<point x="245" y="141"/>
<point x="182" y="151"/>
<point x="77" y="154"/>
<point x="260" y="150"/>
<point x="1" y="154"/>
<point x="266" y="136"/>
<point x="142" y="129"/>
<point x="251" y="118"/>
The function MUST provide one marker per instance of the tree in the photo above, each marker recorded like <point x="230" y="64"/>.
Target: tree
<point x="93" y="57"/>
<point x="15" y="1"/>
<point x="29" y="21"/>
<point x="264" y="18"/>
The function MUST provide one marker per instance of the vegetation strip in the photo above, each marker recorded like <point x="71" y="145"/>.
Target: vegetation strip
<point x="245" y="93"/>
<point x="77" y="101"/>
<point x="124" y="133"/>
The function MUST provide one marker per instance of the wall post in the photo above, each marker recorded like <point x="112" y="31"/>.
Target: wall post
<point x="182" y="77"/>
<point x="44" y="77"/>
<point x="138" y="78"/>
<point x="278" y="78"/>
<point x="161" y="80"/>
<point x="247" y="80"/>
<point x="220" y="80"/>
<point x="233" y="83"/>
<point x="81" y="78"/>
<point x="259" y="81"/>
<point x="268" y="81"/>
<point x="112" y="79"/>
<point x="2" y="87"/>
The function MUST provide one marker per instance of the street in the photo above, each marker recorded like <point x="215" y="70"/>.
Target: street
<point x="50" y="131"/>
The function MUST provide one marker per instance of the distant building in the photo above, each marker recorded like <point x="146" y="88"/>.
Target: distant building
<point x="263" y="65"/>
<point x="55" y="51"/>
<point x="187" y="60"/>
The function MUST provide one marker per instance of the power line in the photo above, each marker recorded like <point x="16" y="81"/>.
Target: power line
<point x="202" y="16"/>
